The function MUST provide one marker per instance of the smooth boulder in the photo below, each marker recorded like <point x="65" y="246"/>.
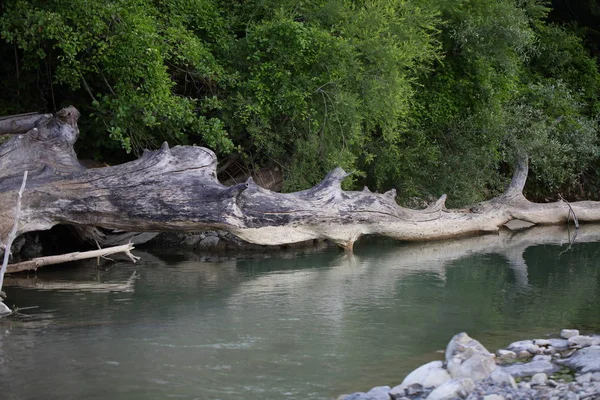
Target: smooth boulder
<point x="584" y="360"/>
<point x="430" y="375"/>
<point x="467" y="358"/>
<point x="455" y="388"/>
<point x="531" y="368"/>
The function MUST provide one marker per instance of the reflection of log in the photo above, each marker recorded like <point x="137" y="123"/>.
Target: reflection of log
<point x="177" y="189"/>
<point x="381" y="271"/>
<point x="97" y="287"/>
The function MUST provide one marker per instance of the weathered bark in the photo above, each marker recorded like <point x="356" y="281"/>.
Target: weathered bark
<point x="177" y="189"/>
<point x="21" y="123"/>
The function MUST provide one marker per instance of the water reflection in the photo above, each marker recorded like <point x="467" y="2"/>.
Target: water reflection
<point x="305" y="324"/>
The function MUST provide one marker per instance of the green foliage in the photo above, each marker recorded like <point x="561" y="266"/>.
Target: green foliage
<point x="428" y="96"/>
<point x="120" y="53"/>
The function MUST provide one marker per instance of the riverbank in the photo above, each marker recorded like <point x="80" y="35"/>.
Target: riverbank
<point x="564" y="368"/>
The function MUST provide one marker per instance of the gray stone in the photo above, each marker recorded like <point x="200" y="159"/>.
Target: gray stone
<point x="596" y="377"/>
<point x="501" y="377"/>
<point x="567" y="333"/>
<point x="452" y="389"/>
<point x="540" y="357"/>
<point x="533" y="349"/>
<point x="4" y="309"/>
<point x="559" y="344"/>
<point x="585" y="378"/>
<point x="191" y="240"/>
<point x="414" y="389"/>
<point x="467" y="358"/>
<point x="429" y="375"/>
<point x="377" y="393"/>
<point x="519" y="346"/>
<point x="524" y="385"/>
<point x="539" y="379"/>
<point x="579" y="340"/>
<point x="209" y="241"/>
<point x="571" y="396"/>
<point x="507" y="355"/>
<point x="542" y="342"/>
<point x="523" y="354"/>
<point x="584" y="360"/>
<point x="531" y="368"/>
<point x="493" y="397"/>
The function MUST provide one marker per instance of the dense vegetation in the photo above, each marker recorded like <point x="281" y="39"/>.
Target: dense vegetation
<point x="429" y="96"/>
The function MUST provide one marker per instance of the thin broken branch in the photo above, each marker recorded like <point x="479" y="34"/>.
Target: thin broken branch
<point x="34" y="264"/>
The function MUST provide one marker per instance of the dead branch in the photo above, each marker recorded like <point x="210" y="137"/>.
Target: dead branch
<point x="36" y="263"/>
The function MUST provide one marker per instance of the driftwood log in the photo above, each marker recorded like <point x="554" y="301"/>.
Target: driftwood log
<point x="176" y="189"/>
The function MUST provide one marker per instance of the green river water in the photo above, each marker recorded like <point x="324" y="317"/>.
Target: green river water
<point x="309" y="324"/>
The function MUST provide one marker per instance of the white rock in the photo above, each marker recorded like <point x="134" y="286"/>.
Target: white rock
<point x="541" y="357"/>
<point x="4" y="309"/>
<point x="507" y="355"/>
<point x="539" y="379"/>
<point x="467" y="358"/>
<point x="429" y="375"/>
<point x="452" y="389"/>
<point x="572" y="396"/>
<point x="524" y="354"/>
<point x="579" y="340"/>
<point x="493" y="397"/>
<point x="542" y="342"/>
<point x="567" y="333"/>
<point x="559" y="344"/>
<point x="533" y="349"/>
<point x="531" y="368"/>
<point x="500" y="377"/>
<point x="585" y="378"/>
<point x="520" y="345"/>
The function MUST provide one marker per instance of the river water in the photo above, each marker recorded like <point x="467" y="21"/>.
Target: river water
<point x="309" y="324"/>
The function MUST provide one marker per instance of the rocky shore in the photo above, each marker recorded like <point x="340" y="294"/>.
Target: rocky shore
<point x="564" y="368"/>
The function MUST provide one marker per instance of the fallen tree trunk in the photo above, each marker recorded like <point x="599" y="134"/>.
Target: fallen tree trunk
<point x="177" y="189"/>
